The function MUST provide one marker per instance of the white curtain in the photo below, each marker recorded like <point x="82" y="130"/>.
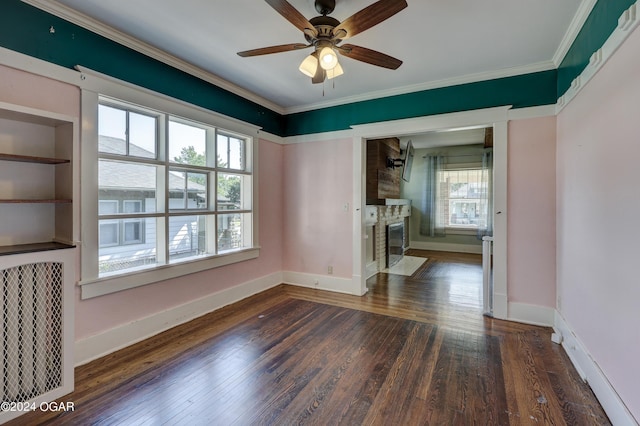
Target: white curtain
<point x="433" y="219"/>
<point x="485" y="223"/>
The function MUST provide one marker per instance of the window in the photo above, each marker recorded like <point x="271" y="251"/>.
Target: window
<point x="166" y="186"/>
<point x="120" y="232"/>
<point x="463" y="193"/>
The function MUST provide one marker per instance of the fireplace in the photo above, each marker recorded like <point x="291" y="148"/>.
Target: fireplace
<point x="395" y="243"/>
<point x="377" y="221"/>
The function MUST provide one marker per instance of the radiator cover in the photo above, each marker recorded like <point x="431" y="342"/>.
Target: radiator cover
<point x="36" y="308"/>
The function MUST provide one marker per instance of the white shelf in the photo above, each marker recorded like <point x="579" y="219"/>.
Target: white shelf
<point x="36" y="177"/>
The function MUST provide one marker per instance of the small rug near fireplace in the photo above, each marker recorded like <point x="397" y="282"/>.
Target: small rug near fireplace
<point x="406" y="266"/>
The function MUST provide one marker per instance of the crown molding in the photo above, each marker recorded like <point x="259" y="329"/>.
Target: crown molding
<point x="584" y="10"/>
<point x="88" y="23"/>
<point x="627" y="23"/>
<point x="469" y="78"/>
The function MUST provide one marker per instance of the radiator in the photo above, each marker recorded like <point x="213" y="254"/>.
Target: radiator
<point x="32" y="318"/>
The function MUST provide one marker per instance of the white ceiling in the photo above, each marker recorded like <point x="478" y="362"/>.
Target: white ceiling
<point x="441" y="42"/>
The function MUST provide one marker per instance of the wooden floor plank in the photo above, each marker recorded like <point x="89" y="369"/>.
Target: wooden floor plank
<point x="413" y="350"/>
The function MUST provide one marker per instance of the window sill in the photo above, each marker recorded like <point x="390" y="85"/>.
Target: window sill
<point x="102" y="286"/>
<point x="461" y="231"/>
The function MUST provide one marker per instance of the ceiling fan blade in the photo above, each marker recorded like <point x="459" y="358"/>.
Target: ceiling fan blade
<point x="273" y="49"/>
<point x="370" y="16"/>
<point x="369" y="56"/>
<point x="292" y="15"/>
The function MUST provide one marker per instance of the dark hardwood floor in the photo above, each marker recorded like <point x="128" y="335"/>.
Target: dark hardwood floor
<point x="413" y="351"/>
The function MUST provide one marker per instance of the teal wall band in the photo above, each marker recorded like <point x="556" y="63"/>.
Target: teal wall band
<point x="25" y="29"/>
<point x="520" y="91"/>
<point x="602" y="21"/>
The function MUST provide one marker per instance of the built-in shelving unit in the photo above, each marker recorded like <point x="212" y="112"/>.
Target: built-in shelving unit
<point x="36" y="201"/>
<point x="37" y="259"/>
<point x="36" y="180"/>
<point x="31" y="248"/>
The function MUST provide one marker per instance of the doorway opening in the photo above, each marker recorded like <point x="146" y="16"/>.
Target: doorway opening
<point x="455" y="124"/>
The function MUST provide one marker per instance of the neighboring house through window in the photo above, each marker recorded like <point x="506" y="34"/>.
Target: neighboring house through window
<point x="463" y="192"/>
<point x="169" y="190"/>
<point x="133" y="178"/>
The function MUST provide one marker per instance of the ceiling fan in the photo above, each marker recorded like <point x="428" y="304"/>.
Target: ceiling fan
<point x="325" y="33"/>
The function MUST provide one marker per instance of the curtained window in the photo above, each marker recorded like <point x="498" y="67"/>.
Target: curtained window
<point x="457" y="198"/>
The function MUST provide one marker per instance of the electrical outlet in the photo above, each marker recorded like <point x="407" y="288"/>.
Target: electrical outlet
<point x="330" y="269"/>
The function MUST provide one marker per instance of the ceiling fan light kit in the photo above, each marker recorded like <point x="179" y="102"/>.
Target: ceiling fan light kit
<point x="328" y="58"/>
<point x="309" y="66"/>
<point x="336" y="71"/>
<point x="325" y="33"/>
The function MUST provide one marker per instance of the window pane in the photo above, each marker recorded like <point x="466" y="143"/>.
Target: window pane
<point x="463" y="197"/>
<point x="133" y="231"/>
<point x="177" y="190"/>
<point x="127" y="181"/>
<point x="187" y="144"/>
<point x="464" y="212"/>
<point x="112" y="130"/>
<point x="230" y="192"/>
<point x="142" y="135"/>
<point x="108" y="233"/>
<point x="196" y="190"/>
<point x="136" y="250"/>
<point x="222" y="149"/>
<point x="187" y="237"/>
<point x="236" y="154"/>
<point x="230" y="152"/>
<point x="234" y="231"/>
<point x="187" y="190"/>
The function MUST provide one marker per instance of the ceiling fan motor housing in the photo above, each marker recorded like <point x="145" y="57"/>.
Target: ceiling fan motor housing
<point x="325" y="7"/>
<point x="324" y="25"/>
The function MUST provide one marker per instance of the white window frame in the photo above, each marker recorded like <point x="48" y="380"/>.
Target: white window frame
<point x="461" y="229"/>
<point x="97" y="85"/>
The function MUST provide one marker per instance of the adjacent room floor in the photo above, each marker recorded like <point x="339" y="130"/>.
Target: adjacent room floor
<point x="414" y="350"/>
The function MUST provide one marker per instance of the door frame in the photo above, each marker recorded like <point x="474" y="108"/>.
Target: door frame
<point x="490" y="117"/>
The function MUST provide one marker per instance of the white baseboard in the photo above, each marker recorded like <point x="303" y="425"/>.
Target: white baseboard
<point x="500" y="305"/>
<point x="456" y="248"/>
<point x="531" y="314"/>
<point x="99" y="345"/>
<point x="592" y="374"/>
<point x="371" y="269"/>
<point x="321" y="282"/>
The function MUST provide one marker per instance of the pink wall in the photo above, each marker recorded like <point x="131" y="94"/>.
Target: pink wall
<point x="102" y="313"/>
<point x="531" y="240"/>
<point x="318" y="180"/>
<point x="598" y="219"/>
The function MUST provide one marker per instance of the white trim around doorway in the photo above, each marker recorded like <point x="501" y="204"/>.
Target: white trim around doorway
<point x="495" y="117"/>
